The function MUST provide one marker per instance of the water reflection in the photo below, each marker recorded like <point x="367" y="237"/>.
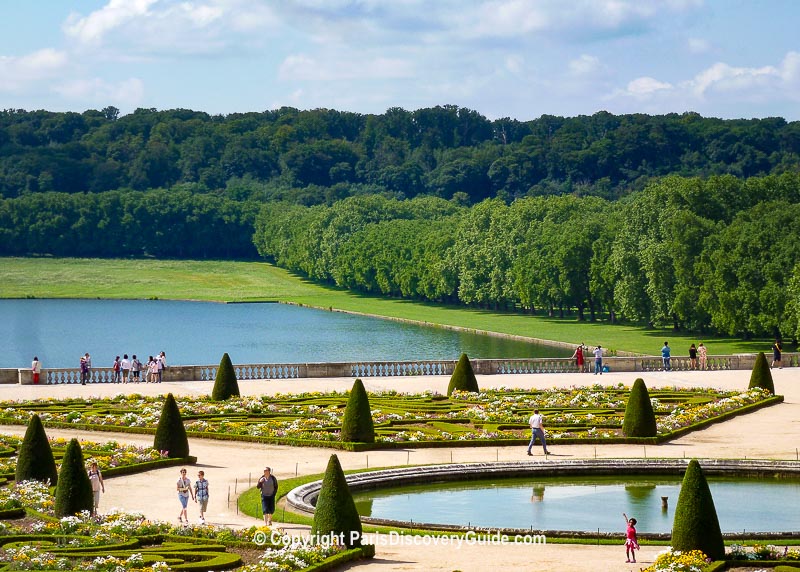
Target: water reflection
<point x="584" y="503"/>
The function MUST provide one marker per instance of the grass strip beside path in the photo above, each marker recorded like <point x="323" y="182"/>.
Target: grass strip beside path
<point x="225" y="281"/>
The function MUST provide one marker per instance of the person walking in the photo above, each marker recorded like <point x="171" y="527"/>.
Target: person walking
<point x="184" y="492"/>
<point x="201" y="494"/>
<point x="268" y="485"/>
<point x="665" y="356"/>
<point x="702" y="355"/>
<point x="536" y="423"/>
<point x="776" y="353"/>
<point x="598" y="360"/>
<point x="36" y="369"/>
<point x="96" y="478"/>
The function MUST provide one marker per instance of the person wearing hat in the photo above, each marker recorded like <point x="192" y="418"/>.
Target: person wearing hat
<point x="268" y="485"/>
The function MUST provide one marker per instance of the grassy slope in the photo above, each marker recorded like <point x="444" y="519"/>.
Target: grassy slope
<point x="256" y="281"/>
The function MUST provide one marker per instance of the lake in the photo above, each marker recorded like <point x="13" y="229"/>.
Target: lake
<point x="198" y="333"/>
<point x="585" y="503"/>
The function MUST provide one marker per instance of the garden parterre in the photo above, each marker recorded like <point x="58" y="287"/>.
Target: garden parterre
<point x="577" y="413"/>
<point x="120" y="541"/>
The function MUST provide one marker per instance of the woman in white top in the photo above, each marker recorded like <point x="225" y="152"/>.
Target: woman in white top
<point x="184" y="492"/>
<point x="36" y="368"/>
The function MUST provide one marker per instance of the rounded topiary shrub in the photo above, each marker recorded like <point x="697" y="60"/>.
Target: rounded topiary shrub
<point x="35" y="457"/>
<point x="170" y="433"/>
<point x="463" y="378"/>
<point x="761" y="376"/>
<point x="640" y="420"/>
<point x="696" y="526"/>
<point x="357" y="426"/>
<point x="336" y="512"/>
<point x="74" y="490"/>
<point x="225" y="384"/>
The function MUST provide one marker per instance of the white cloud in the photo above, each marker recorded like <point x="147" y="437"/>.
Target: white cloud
<point x="16" y="73"/>
<point x="767" y="81"/>
<point x="136" y="27"/>
<point x="117" y="13"/>
<point x="646" y="86"/>
<point x="341" y="66"/>
<point x="128" y="93"/>
<point x="584" y="65"/>
<point x="698" y="45"/>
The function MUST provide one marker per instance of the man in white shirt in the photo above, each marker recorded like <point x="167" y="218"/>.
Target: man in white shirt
<point x="537" y="430"/>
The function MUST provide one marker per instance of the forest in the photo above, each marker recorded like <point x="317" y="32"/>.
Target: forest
<point x="671" y="220"/>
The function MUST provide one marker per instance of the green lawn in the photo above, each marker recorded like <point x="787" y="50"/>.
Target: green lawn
<point x="257" y="281"/>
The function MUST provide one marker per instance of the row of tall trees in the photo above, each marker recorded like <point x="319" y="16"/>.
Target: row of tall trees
<point x="319" y="156"/>
<point x="698" y="254"/>
<point x="163" y="224"/>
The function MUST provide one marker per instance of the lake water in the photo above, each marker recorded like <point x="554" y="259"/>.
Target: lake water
<point x="585" y="503"/>
<point x="197" y="333"/>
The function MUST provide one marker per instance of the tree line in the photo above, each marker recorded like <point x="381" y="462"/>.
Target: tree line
<point x="714" y="255"/>
<point x="161" y="224"/>
<point x="321" y="156"/>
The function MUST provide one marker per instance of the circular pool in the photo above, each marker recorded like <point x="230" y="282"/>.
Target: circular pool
<point x="578" y="496"/>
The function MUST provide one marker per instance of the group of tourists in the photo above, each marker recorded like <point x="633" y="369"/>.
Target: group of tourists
<point x="123" y="370"/>
<point x="199" y="493"/>
<point x="580" y="356"/>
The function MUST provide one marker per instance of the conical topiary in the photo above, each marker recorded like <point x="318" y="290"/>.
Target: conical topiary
<point x="225" y="384"/>
<point x="336" y="513"/>
<point x="357" y="426"/>
<point x="170" y="433"/>
<point x="74" y="490"/>
<point x="696" y="526"/>
<point x="35" y="457"/>
<point x="463" y="378"/>
<point x="761" y="376"/>
<point x="640" y="420"/>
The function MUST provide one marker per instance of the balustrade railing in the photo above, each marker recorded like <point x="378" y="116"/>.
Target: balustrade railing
<point x="401" y="368"/>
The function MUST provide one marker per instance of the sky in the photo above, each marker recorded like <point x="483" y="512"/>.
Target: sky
<point x="503" y="58"/>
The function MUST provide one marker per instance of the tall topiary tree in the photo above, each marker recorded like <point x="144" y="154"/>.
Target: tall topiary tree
<point x="696" y="526"/>
<point x="463" y="378"/>
<point x="336" y="512"/>
<point x="357" y="426"/>
<point x="225" y="384"/>
<point x="762" y="376"/>
<point x="170" y="433"/>
<point x="35" y="457"/>
<point x="640" y="420"/>
<point x="74" y="490"/>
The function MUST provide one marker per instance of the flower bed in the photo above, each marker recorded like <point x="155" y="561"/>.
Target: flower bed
<point x="579" y="414"/>
<point x="120" y="541"/>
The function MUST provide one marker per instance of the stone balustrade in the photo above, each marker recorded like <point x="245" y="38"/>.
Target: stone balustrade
<point x="398" y="368"/>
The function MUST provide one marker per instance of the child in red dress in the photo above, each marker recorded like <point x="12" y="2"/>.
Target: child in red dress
<point x="631" y="543"/>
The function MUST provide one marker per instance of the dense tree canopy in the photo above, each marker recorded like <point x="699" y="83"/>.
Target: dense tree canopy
<point x="671" y="220"/>
<point x="311" y="156"/>
<point x="697" y="254"/>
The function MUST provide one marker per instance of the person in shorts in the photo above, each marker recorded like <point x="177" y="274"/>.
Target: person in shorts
<point x="201" y="494"/>
<point x="136" y="368"/>
<point x="184" y="492"/>
<point x="268" y="485"/>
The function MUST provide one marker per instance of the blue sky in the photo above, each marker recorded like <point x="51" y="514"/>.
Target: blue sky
<point x="502" y="58"/>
